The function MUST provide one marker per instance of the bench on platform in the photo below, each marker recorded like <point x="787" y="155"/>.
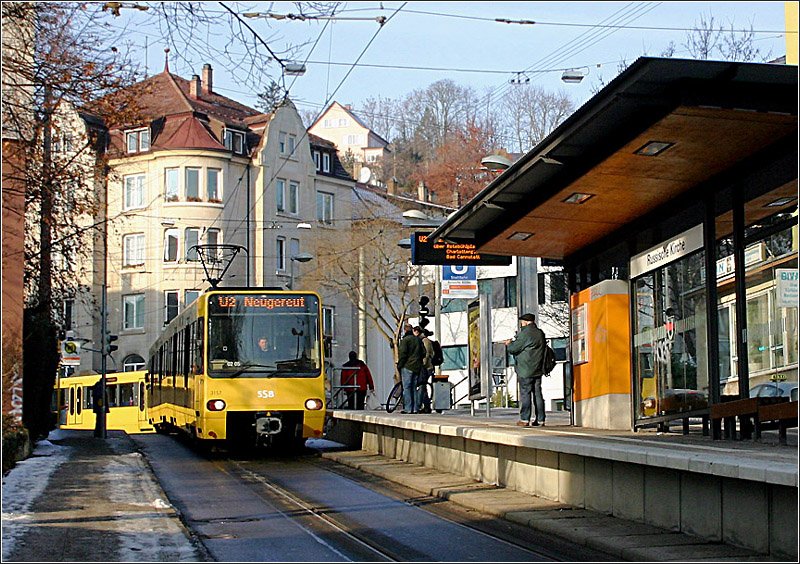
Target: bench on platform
<point x="723" y="417"/>
<point x="779" y="416"/>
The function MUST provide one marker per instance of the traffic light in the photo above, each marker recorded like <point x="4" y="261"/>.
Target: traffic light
<point x="109" y="348"/>
<point x="424" y="312"/>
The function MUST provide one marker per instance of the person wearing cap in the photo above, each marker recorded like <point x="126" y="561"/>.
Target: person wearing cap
<point x="528" y="350"/>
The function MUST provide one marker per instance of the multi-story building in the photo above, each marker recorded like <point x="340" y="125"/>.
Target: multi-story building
<point x="355" y="141"/>
<point x="197" y="168"/>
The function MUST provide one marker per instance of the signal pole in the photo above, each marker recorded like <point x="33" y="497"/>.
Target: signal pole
<point x="103" y="367"/>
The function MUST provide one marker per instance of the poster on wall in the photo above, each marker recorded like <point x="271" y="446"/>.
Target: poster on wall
<point x="474" y="349"/>
<point x="580" y="350"/>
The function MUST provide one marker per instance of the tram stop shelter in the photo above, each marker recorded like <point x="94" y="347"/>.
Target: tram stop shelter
<point x="671" y="198"/>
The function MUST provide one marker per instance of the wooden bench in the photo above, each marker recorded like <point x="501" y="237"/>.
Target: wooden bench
<point x="727" y="412"/>
<point x="779" y="416"/>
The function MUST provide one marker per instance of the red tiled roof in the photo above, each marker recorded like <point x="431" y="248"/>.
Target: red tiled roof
<point x="185" y="132"/>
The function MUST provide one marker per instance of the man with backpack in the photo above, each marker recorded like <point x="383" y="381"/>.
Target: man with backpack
<point x="423" y="400"/>
<point x="528" y="350"/>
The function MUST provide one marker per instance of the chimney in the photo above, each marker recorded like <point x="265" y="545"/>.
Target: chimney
<point x="391" y="186"/>
<point x="456" y="199"/>
<point x="194" y="86"/>
<point x="208" y="79"/>
<point x="422" y="192"/>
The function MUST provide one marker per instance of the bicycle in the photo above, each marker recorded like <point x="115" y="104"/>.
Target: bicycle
<point x="395" y="397"/>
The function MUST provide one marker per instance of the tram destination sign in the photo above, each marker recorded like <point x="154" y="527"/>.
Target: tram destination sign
<point x="423" y="252"/>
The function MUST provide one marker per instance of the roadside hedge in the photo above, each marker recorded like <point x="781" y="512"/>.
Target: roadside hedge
<point x="16" y="442"/>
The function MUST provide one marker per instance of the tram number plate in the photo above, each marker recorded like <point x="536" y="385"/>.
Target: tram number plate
<point x="266" y="394"/>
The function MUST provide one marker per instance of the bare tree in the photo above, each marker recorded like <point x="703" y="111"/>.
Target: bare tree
<point x="64" y="63"/>
<point x="372" y="271"/>
<point x="533" y="113"/>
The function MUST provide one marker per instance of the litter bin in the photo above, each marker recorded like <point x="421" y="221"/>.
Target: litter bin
<point x="441" y="394"/>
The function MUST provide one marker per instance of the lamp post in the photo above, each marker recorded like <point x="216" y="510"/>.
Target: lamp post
<point x="299" y="257"/>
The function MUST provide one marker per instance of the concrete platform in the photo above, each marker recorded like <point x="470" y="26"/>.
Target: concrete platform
<point x="740" y="496"/>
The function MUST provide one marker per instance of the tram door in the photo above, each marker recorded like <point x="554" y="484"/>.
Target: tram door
<point x="75" y="402"/>
<point x="141" y="398"/>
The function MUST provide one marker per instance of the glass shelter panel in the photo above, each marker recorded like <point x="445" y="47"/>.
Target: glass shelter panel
<point x="670" y="367"/>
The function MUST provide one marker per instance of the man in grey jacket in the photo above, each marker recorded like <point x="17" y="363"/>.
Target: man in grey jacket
<point x="528" y="350"/>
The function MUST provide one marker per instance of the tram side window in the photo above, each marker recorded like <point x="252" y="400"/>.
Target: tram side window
<point x="198" y="347"/>
<point x="87" y="397"/>
<point x="126" y="394"/>
<point x="112" y="390"/>
<point x="78" y="404"/>
<point x="187" y="353"/>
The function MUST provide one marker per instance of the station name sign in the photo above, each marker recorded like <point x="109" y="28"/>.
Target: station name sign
<point x="423" y="252"/>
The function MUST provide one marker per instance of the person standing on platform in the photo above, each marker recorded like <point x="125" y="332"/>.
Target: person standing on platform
<point x="359" y="375"/>
<point x="423" y="400"/>
<point x="528" y="350"/>
<point x="410" y="353"/>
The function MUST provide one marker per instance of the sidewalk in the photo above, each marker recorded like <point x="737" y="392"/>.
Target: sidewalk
<point x="82" y="499"/>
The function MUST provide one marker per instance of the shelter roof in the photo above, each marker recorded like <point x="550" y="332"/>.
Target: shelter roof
<point x="711" y="115"/>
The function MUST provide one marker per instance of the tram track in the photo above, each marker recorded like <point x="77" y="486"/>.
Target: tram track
<point x="323" y="514"/>
<point x="378" y="545"/>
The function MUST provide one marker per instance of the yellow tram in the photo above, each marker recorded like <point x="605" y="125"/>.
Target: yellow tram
<point x="127" y="401"/>
<point x="241" y="367"/>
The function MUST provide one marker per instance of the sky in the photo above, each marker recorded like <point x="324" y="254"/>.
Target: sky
<point x="460" y="41"/>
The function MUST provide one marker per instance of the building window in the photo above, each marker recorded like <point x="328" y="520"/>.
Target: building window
<point x="171" y="184"/>
<point x="292" y="141"/>
<point x="138" y="140"/>
<point x="280" y="195"/>
<point x="133" y="311"/>
<point x="342" y="122"/>
<point x="132" y="363"/>
<point x="170" y="305"/>
<point x="328" y="324"/>
<point x="171" y="245"/>
<point x="326" y="162"/>
<point x="327" y="123"/>
<point x="325" y="208"/>
<point x="133" y="250"/>
<point x="280" y="254"/>
<point x="192" y="239"/>
<point x="503" y="290"/>
<point x="353" y="140"/>
<point x="192" y="184"/>
<point x="234" y="141"/>
<point x="134" y="191"/>
<point x="212" y="185"/>
<point x="212" y="237"/>
<point x="282" y="142"/>
<point x="317" y="160"/>
<point x="553" y="284"/>
<point x="190" y="296"/>
<point x="294" y="197"/>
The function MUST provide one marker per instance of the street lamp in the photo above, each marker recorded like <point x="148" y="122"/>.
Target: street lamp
<point x="299" y="257"/>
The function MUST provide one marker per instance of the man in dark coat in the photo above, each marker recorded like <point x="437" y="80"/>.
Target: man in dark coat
<point x="410" y="353"/>
<point x="528" y="350"/>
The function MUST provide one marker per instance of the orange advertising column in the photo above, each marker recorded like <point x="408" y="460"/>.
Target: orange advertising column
<point x="601" y="356"/>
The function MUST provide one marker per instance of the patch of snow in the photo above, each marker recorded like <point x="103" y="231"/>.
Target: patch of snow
<point x="23" y="485"/>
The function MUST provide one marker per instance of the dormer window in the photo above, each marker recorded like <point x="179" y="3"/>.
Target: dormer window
<point x="138" y="140"/>
<point x="234" y="141"/>
<point x="317" y="160"/>
<point x="326" y="162"/>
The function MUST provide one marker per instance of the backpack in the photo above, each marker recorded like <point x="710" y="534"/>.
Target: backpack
<point x="438" y="357"/>
<point x="548" y="360"/>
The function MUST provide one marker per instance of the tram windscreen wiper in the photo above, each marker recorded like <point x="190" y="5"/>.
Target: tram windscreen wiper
<point x="248" y="366"/>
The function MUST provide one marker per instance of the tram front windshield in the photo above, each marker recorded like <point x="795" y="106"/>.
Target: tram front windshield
<point x="258" y="335"/>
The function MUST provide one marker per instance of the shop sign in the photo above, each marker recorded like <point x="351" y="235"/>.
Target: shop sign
<point x="684" y="244"/>
<point x="786" y="282"/>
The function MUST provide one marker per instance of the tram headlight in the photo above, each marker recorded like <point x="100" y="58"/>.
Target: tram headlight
<point x="215" y="405"/>
<point x="313" y="404"/>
